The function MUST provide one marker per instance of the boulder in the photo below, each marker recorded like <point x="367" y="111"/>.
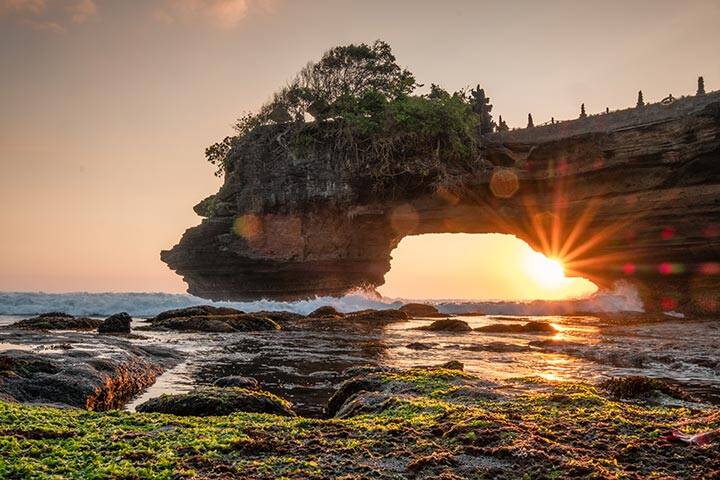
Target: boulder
<point x="198" y="310"/>
<point x="326" y="312"/>
<point x="420" y="346"/>
<point x="245" y="322"/>
<point x="212" y="401"/>
<point x="280" y="316"/>
<point x="57" y="321"/>
<point x="118" y="323"/>
<point x="447" y="325"/>
<point x="422" y="310"/>
<point x="530" y="327"/>
<point x="378" y="316"/>
<point x="236" y="381"/>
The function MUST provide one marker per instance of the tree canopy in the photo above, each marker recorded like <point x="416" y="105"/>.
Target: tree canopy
<point x="359" y="93"/>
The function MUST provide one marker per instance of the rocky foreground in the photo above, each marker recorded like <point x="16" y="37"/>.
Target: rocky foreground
<point x="419" y="423"/>
<point x="59" y="390"/>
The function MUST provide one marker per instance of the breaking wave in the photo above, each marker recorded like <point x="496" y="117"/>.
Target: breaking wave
<point x="624" y="297"/>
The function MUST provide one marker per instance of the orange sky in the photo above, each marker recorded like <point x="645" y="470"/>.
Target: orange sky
<point x="106" y="106"/>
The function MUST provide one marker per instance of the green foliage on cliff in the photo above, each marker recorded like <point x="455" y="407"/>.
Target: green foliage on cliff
<point x="359" y="101"/>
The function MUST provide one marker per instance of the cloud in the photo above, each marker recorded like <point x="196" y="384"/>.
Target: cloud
<point x="48" y="15"/>
<point x="82" y="10"/>
<point x="224" y="14"/>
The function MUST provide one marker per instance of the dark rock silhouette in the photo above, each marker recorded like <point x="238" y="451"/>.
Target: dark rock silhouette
<point x="118" y="323"/>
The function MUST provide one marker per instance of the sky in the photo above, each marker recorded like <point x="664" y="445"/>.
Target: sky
<point x="106" y="106"/>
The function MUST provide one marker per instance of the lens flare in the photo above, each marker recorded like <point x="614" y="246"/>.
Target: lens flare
<point x="545" y="271"/>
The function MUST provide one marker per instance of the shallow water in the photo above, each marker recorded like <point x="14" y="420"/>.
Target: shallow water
<point x="305" y="366"/>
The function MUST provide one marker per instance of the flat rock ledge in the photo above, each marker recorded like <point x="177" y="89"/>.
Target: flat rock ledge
<point x="80" y="370"/>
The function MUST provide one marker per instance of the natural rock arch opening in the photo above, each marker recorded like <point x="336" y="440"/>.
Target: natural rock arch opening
<point x="477" y="267"/>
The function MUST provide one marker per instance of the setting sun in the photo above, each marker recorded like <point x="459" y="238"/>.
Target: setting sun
<point x="481" y="267"/>
<point x="547" y="272"/>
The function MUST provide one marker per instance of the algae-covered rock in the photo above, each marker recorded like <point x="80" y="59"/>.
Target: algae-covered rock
<point x="57" y="321"/>
<point x="236" y="381"/>
<point x="377" y="316"/>
<point x="641" y="387"/>
<point x="447" y="325"/>
<point x="530" y="327"/>
<point x="118" y="323"/>
<point x="199" y="310"/>
<point x="326" y="312"/>
<point x="244" y="322"/>
<point x="214" y="401"/>
<point x="422" y="310"/>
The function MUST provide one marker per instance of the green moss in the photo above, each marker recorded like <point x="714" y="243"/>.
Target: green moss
<point x="568" y="431"/>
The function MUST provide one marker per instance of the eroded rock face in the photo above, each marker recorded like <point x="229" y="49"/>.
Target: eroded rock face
<point x="628" y="195"/>
<point x="88" y="371"/>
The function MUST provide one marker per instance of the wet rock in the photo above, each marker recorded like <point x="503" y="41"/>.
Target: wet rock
<point x="57" y="321"/>
<point x="118" y="323"/>
<point x="349" y="388"/>
<point x="369" y="402"/>
<point x="236" y="381"/>
<point x="422" y="310"/>
<point x="420" y="346"/>
<point x="245" y="322"/>
<point x="499" y="347"/>
<point x="530" y="327"/>
<point x="641" y="387"/>
<point x="326" y="312"/>
<point x="196" y="311"/>
<point x="212" y="401"/>
<point x="447" y="325"/>
<point x="378" y="316"/>
<point x="101" y="378"/>
<point x="280" y="316"/>
<point x="451" y="365"/>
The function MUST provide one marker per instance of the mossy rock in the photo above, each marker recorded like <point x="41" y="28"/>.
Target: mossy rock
<point x="422" y="310"/>
<point x="641" y="387"/>
<point x="57" y="321"/>
<point x="244" y="322"/>
<point x="447" y="325"/>
<point x="378" y="316"/>
<point x="530" y="327"/>
<point x="326" y="312"/>
<point x="214" y="401"/>
<point x="198" y="310"/>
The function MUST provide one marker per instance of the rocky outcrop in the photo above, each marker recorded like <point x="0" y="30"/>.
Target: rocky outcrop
<point x="57" y="321"/>
<point x="242" y="322"/>
<point x="530" y="327"/>
<point x="118" y="323"/>
<point x="91" y="371"/>
<point x="628" y="195"/>
<point x="422" y="310"/>
<point x="447" y="325"/>
<point x="209" y="401"/>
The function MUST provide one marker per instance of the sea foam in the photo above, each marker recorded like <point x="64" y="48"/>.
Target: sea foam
<point x="624" y="297"/>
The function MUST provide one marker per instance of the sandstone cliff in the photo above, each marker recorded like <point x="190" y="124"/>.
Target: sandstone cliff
<point x="633" y="194"/>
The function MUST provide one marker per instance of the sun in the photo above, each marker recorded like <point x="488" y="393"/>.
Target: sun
<point x="547" y="272"/>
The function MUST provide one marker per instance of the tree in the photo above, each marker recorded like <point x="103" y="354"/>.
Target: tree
<point x="640" y="101"/>
<point x="502" y="126"/>
<point x="530" y="121"/>
<point x="349" y="71"/>
<point x="701" y="86"/>
<point x="217" y="154"/>
<point x="582" y="111"/>
<point x="481" y="105"/>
